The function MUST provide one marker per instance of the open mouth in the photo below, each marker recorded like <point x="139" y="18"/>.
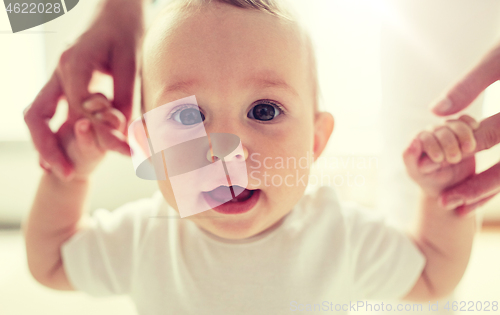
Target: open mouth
<point x="230" y="194"/>
<point x="231" y="200"/>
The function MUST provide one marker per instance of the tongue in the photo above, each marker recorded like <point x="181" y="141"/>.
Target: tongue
<point x="223" y="193"/>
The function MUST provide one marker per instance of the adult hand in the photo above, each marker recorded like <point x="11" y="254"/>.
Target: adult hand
<point x="479" y="188"/>
<point x="109" y="46"/>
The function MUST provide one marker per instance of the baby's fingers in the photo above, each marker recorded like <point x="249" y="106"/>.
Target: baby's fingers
<point x="112" y="117"/>
<point x="108" y="123"/>
<point x="449" y="143"/>
<point x="431" y="146"/>
<point x="411" y="156"/>
<point x="111" y="139"/>
<point x="82" y="133"/>
<point x="464" y="134"/>
<point x="100" y="110"/>
<point x="85" y="137"/>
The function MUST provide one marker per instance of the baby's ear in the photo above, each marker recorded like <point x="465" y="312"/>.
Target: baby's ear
<point x="323" y="127"/>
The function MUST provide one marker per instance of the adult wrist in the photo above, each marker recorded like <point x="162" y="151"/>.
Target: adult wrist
<point x="133" y="8"/>
<point x="125" y="14"/>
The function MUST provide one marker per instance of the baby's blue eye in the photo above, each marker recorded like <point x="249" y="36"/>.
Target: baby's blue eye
<point x="264" y="111"/>
<point x="188" y="116"/>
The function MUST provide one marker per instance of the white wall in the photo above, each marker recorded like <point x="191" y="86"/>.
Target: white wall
<point x="114" y="182"/>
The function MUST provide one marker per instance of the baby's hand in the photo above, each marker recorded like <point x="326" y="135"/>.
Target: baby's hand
<point x="435" y="160"/>
<point x="82" y="145"/>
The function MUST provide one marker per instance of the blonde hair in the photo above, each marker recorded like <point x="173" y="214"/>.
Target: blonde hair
<point x="274" y="7"/>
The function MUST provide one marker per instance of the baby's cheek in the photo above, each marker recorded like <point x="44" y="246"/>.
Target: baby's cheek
<point x="279" y="172"/>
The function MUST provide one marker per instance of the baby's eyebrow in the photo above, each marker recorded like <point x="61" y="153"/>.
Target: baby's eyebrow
<point x="182" y="85"/>
<point x="269" y="79"/>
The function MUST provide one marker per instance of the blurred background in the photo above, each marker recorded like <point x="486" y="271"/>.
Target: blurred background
<point x="380" y="64"/>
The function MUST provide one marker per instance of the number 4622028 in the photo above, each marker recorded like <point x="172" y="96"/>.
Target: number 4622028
<point x="34" y="8"/>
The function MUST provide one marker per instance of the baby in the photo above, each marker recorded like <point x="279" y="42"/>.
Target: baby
<point x="251" y="67"/>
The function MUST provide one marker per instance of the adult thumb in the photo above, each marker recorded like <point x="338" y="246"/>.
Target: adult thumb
<point x="466" y="90"/>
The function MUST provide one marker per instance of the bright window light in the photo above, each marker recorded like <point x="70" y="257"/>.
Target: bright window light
<point x="22" y="75"/>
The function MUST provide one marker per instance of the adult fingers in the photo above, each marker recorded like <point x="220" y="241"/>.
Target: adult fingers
<point x="123" y="69"/>
<point x="95" y="103"/>
<point x="476" y="188"/>
<point x="470" y="86"/>
<point x="469" y="121"/>
<point x="463" y="210"/>
<point x="37" y="117"/>
<point x="75" y="75"/>
<point x="488" y="133"/>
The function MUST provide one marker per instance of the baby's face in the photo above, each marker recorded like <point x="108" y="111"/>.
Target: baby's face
<point x="251" y="76"/>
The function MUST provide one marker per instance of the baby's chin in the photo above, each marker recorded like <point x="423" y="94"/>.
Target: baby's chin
<point x="241" y="229"/>
<point x="242" y="217"/>
<point x="236" y="226"/>
<point x="268" y="206"/>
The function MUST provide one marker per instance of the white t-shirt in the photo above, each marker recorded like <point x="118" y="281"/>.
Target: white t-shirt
<point x="322" y="253"/>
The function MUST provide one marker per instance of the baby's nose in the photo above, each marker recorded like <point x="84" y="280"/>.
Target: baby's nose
<point x="236" y="155"/>
<point x="226" y="146"/>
